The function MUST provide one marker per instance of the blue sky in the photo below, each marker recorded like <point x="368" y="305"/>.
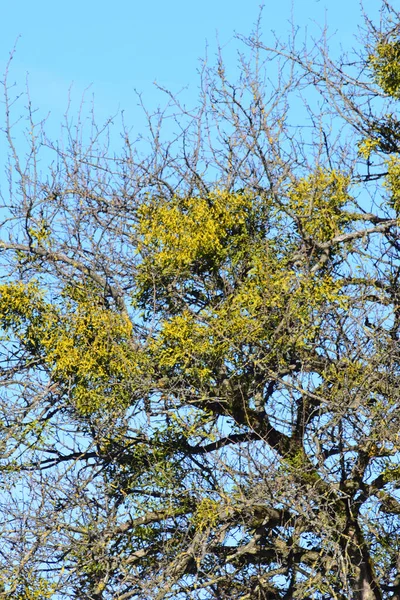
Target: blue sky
<point x="116" y="47"/>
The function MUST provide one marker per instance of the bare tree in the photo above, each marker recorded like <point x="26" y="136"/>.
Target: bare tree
<point x="200" y="339"/>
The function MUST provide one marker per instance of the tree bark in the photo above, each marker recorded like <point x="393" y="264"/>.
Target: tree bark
<point x="365" y="586"/>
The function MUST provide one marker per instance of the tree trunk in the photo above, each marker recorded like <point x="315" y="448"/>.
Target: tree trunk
<point x="364" y="583"/>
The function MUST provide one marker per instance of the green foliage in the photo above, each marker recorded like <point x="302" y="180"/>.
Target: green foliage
<point x="392" y="182"/>
<point x="86" y="346"/>
<point x="385" y="62"/>
<point x="186" y="236"/>
<point x="206" y="515"/>
<point x="28" y="587"/>
<point x="366" y="147"/>
<point x="318" y="201"/>
<point x="226" y="283"/>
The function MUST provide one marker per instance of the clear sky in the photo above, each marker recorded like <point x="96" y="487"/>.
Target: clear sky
<point x="120" y="45"/>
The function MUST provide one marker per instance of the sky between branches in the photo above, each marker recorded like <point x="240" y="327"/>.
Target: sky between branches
<point x="113" y="48"/>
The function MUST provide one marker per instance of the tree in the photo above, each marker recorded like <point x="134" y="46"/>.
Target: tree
<point x="201" y="363"/>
